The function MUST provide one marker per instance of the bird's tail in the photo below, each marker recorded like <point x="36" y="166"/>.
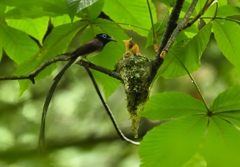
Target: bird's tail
<point x="60" y="74"/>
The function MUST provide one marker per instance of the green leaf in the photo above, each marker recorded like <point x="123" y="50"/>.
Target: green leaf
<point x="2" y="10"/>
<point x="228" y="10"/>
<point x="18" y="45"/>
<point x="56" y="43"/>
<point x="58" y="7"/>
<point x="169" y="105"/>
<point x="131" y="13"/>
<point x="221" y="144"/>
<point x="34" y="12"/>
<point x="1" y="50"/>
<point x="93" y="11"/>
<point x="35" y="27"/>
<point x="173" y="143"/>
<point x="227" y="100"/>
<point x="60" y="20"/>
<point x="228" y="41"/>
<point x="169" y="3"/>
<point x="188" y="52"/>
<point x="74" y="6"/>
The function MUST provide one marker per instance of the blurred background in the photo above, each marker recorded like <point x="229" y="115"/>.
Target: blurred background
<point x="79" y="132"/>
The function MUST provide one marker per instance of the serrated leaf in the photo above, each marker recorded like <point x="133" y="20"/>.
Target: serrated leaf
<point x="173" y="143"/>
<point x="228" y="10"/>
<point x="74" y="6"/>
<point x="169" y="105"/>
<point x="221" y="144"/>
<point x="227" y="41"/>
<point x="18" y="45"/>
<point x="188" y="52"/>
<point x="35" y="27"/>
<point x="227" y="100"/>
<point x="131" y="13"/>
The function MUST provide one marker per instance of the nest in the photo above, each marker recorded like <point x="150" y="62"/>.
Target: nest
<point x="135" y="70"/>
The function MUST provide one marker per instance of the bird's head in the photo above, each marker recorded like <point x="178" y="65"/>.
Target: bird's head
<point x="104" y="38"/>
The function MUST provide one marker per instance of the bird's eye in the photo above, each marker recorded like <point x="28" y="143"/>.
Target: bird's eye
<point x="104" y="35"/>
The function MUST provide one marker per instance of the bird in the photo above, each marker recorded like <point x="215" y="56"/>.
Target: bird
<point x="89" y="49"/>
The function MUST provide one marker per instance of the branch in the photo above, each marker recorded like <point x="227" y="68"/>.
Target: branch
<point x="121" y="135"/>
<point x="33" y="74"/>
<point x="172" y="24"/>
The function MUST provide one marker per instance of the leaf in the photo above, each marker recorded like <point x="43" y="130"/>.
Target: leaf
<point x="59" y="20"/>
<point x="221" y="144"/>
<point x="33" y="13"/>
<point x="169" y="105"/>
<point x="1" y="50"/>
<point x="93" y="11"/>
<point x="33" y="7"/>
<point x="227" y="100"/>
<point x="227" y="41"/>
<point x="132" y="13"/>
<point x="74" y="6"/>
<point x="35" y="27"/>
<point x="18" y="45"/>
<point x="228" y="10"/>
<point x="169" y="3"/>
<point x="173" y="143"/>
<point x="2" y="10"/>
<point x="188" y="52"/>
<point x="56" y="43"/>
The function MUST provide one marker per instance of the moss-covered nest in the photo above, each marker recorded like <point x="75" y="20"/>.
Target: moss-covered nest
<point x="135" y="71"/>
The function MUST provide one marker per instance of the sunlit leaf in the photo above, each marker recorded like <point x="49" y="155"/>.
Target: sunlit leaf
<point x="173" y="143"/>
<point x="228" y="41"/>
<point x="129" y="13"/>
<point x="18" y="45"/>
<point x="169" y="105"/>
<point x="35" y="27"/>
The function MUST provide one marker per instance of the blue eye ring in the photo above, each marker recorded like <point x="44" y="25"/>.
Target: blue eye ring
<point x="104" y="35"/>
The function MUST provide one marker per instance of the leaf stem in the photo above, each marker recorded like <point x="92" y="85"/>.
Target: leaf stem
<point x="151" y="18"/>
<point x="194" y="83"/>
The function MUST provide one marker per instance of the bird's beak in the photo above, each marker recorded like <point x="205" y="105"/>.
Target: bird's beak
<point x="112" y="39"/>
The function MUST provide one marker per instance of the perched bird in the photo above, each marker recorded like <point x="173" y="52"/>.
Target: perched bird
<point x="89" y="49"/>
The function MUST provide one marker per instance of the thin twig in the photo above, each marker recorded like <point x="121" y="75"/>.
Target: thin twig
<point x="201" y="12"/>
<point x="121" y="135"/>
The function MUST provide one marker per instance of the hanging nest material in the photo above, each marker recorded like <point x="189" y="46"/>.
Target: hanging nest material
<point x="134" y="70"/>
